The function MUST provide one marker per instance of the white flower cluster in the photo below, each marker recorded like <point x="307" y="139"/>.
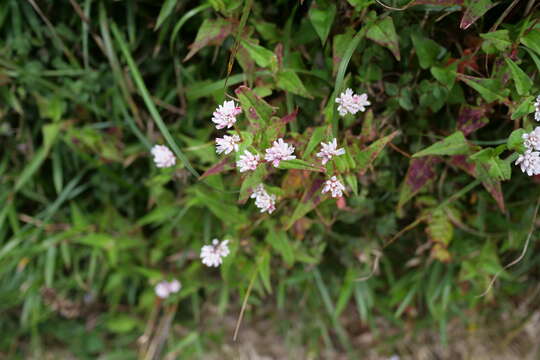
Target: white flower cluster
<point x="329" y="150"/>
<point x="163" y="156"/>
<point x="225" y="115"/>
<point x="212" y="255"/>
<point x="279" y="151"/>
<point x="248" y="161"/>
<point x="334" y="186"/>
<point x="529" y="161"/>
<point x="227" y="144"/>
<point x="350" y="103"/>
<point x="165" y="288"/>
<point x="264" y="201"/>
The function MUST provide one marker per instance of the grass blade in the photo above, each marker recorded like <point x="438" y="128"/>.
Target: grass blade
<point x="143" y="90"/>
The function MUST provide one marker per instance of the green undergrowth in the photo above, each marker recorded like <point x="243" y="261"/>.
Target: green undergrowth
<point x="433" y="213"/>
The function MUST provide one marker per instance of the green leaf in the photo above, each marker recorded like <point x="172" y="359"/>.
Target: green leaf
<point x="288" y="80"/>
<point x="51" y="108"/>
<point x="281" y="243"/>
<point x="352" y="181"/>
<point x="445" y="75"/>
<point x="121" y="323"/>
<point x="315" y="139"/>
<point x="166" y="10"/>
<point x="310" y="199"/>
<point x="427" y="50"/>
<point x="532" y="40"/>
<point x="384" y="33"/>
<point x="262" y="56"/>
<point x="526" y="107"/>
<point x="255" y="108"/>
<point x="211" y="32"/>
<point x="321" y="17"/>
<point x="440" y="229"/>
<point x="515" y="141"/>
<point x="496" y="41"/>
<point x="454" y="144"/>
<point x="534" y="57"/>
<point x="222" y="208"/>
<point x="499" y="169"/>
<point x="50" y="134"/>
<point x="474" y="9"/>
<point x="366" y="157"/>
<point x="340" y="44"/>
<point x="299" y="165"/>
<point x="523" y="81"/>
<point x="490" y="89"/>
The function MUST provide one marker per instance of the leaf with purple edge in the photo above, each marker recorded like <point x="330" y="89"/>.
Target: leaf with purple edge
<point x="365" y="157"/>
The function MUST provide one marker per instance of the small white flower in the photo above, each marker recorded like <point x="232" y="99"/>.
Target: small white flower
<point x="329" y="150"/>
<point x="529" y="162"/>
<point x="174" y="286"/>
<point x="225" y="115"/>
<point x="351" y="103"/>
<point x="162" y="290"/>
<point x="258" y="191"/>
<point x="334" y="186"/>
<point x="264" y="201"/>
<point x="279" y="151"/>
<point x="163" y="157"/>
<point x="532" y="139"/>
<point x="165" y="288"/>
<point x="537" y="109"/>
<point x="212" y="255"/>
<point x="227" y="144"/>
<point x="248" y="161"/>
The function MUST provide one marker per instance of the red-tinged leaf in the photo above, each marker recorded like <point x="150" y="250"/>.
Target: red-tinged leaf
<point x="211" y="32"/>
<point x="289" y="117"/>
<point x="474" y="10"/>
<point x="256" y="109"/>
<point x="384" y="33"/>
<point x="341" y="203"/>
<point x="419" y="174"/>
<point x="278" y="50"/>
<point x="220" y="167"/>
<point x="366" y="157"/>
<point x="471" y="118"/>
<point x="460" y="161"/>
<point x="492" y="186"/>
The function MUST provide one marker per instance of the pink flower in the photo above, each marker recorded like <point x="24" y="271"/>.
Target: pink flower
<point x="225" y="115"/>
<point x="529" y="162"/>
<point x="163" y="157"/>
<point x="278" y="152"/>
<point x="264" y="201"/>
<point x="227" y="144"/>
<point x="212" y="255"/>
<point x="532" y="140"/>
<point x="334" y="186"/>
<point x="164" y="288"/>
<point x="351" y="103"/>
<point x="329" y="150"/>
<point x="247" y="162"/>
